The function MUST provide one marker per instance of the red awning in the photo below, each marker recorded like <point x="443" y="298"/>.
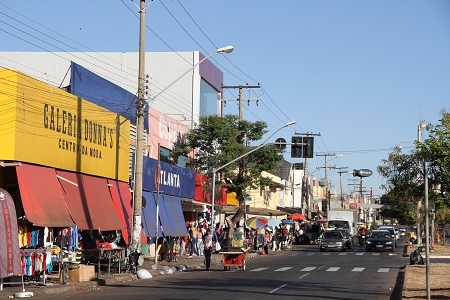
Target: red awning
<point x="89" y="202"/>
<point x="42" y="197"/>
<point x="122" y="199"/>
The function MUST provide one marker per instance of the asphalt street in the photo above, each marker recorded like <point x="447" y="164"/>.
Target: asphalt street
<point x="303" y="271"/>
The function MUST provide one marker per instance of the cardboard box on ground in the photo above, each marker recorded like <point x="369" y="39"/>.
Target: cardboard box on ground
<point x="82" y="273"/>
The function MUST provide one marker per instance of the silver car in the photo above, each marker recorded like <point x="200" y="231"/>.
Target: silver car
<point x="332" y="240"/>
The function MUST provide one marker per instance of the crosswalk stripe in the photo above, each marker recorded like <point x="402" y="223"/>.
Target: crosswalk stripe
<point x="307" y="269"/>
<point x="308" y="254"/>
<point x="333" y="269"/>
<point x="342" y="253"/>
<point x="378" y="253"/>
<point x="326" y="253"/>
<point x="358" y="269"/>
<point x="283" y="269"/>
<point x="359" y="253"/>
<point x="383" y="270"/>
<point x="258" y="269"/>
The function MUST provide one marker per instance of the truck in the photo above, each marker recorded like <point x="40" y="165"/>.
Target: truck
<point x="343" y="219"/>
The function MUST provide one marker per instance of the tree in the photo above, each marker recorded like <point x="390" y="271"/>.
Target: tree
<point x="219" y="140"/>
<point x="404" y="172"/>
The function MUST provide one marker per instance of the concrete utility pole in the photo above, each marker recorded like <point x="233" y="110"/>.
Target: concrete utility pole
<point x="326" y="178"/>
<point x="419" y="203"/>
<point x="240" y="99"/>
<point x="305" y="179"/>
<point x="340" y="182"/>
<point x="139" y="152"/>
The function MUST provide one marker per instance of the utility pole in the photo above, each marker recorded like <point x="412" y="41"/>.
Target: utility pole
<point x="419" y="203"/>
<point x="305" y="179"/>
<point x="340" y="182"/>
<point x="240" y="99"/>
<point x="327" y="191"/>
<point x="139" y="152"/>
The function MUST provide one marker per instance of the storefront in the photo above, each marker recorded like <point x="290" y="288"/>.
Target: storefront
<point x="64" y="161"/>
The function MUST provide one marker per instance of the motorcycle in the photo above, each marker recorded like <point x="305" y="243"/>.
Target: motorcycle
<point x="363" y="239"/>
<point x="415" y="258"/>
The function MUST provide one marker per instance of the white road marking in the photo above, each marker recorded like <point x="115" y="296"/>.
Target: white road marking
<point x="359" y="253"/>
<point x="342" y="253"/>
<point x="258" y="270"/>
<point x="383" y="270"/>
<point x="326" y="253"/>
<point x="358" y="269"/>
<point x="307" y="269"/>
<point x="378" y="253"/>
<point x="304" y="275"/>
<point x="274" y="290"/>
<point x="309" y="254"/>
<point x="283" y="269"/>
<point x="333" y="269"/>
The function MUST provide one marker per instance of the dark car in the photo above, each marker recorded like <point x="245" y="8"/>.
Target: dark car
<point x="380" y="240"/>
<point x="332" y="240"/>
<point x="347" y="238"/>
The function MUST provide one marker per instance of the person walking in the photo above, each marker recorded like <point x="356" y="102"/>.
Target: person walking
<point x="208" y="247"/>
<point x="199" y="242"/>
<point x="192" y="242"/>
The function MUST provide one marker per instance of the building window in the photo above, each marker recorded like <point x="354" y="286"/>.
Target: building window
<point x="209" y="104"/>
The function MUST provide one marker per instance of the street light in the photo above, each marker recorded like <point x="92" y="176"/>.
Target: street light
<point x="223" y="50"/>
<point x="138" y="169"/>
<point x="214" y="170"/>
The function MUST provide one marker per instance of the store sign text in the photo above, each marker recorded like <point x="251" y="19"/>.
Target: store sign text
<point x="86" y="131"/>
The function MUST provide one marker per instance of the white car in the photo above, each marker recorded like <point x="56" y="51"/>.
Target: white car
<point x="402" y="231"/>
<point x="392" y="230"/>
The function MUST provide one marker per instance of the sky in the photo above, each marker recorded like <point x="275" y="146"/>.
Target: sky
<point x="361" y="75"/>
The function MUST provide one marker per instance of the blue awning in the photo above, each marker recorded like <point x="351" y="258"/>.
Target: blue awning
<point x="171" y="218"/>
<point x="149" y="215"/>
<point x="174" y="213"/>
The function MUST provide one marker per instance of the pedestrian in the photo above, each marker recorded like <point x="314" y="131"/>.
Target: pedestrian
<point x="208" y="247"/>
<point x="184" y="243"/>
<point x="199" y="241"/>
<point x="191" y="242"/>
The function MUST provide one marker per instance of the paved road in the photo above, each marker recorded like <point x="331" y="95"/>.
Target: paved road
<point x="303" y="272"/>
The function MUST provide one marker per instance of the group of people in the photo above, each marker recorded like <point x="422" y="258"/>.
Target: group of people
<point x="267" y="238"/>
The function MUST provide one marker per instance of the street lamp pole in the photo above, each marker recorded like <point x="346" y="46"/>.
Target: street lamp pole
<point x="223" y="50"/>
<point x="215" y="170"/>
<point x="139" y="159"/>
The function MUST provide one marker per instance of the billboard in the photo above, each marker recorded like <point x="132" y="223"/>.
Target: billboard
<point x="47" y="126"/>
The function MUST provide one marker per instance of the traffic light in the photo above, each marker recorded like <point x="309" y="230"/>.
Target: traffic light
<point x="296" y="147"/>
<point x="308" y="147"/>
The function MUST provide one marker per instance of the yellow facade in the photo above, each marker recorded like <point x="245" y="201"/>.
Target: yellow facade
<point x="269" y="197"/>
<point x="45" y="125"/>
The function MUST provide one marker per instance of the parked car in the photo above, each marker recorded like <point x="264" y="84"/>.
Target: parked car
<point x="332" y="240"/>
<point x="347" y="238"/>
<point x="380" y="240"/>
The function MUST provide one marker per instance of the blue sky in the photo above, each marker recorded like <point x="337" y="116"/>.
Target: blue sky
<point x="363" y="74"/>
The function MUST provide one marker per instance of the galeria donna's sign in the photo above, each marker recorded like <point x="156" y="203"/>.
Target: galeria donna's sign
<point x="48" y="126"/>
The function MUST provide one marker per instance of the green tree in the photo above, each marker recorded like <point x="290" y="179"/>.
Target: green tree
<point x="217" y="141"/>
<point x="404" y="172"/>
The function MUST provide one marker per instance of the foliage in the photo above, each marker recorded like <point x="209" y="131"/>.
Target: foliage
<point x="219" y="140"/>
<point x="374" y="225"/>
<point x="436" y="150"/>
<point x="404" y="175"/>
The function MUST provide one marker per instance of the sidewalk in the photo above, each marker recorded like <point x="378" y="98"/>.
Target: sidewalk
<point x="162" y="269"/>
<point x="414" y="285"/>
